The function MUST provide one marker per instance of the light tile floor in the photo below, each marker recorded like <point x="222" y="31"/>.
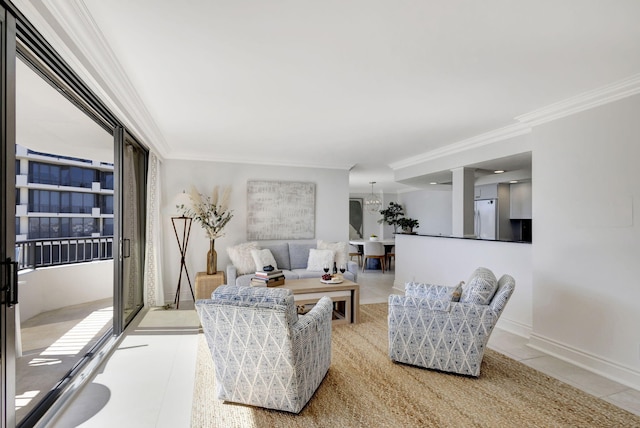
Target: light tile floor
<point x="148" y="380"/>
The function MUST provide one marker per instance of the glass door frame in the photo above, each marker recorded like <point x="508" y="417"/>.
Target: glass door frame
<point x="8" y="272"/>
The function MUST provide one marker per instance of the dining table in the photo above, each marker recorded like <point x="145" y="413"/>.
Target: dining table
<point x="385" y="242"/>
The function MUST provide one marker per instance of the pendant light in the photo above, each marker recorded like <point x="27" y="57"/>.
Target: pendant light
<point x="372" y="203"/>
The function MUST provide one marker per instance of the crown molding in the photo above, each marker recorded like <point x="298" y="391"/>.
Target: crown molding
<point x="585" y="101"/>
<point x="71" y="30"/>
<point x="191" y="156"/>
<point x="480" y="140"/>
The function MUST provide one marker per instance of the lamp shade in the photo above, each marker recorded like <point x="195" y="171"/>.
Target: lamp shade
<point x="181" y="199"/>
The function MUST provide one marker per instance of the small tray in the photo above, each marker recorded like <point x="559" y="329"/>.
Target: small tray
<point x="332" y="281"/>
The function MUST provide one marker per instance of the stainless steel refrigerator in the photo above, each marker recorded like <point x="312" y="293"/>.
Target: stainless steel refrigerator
<point x="486" y="218"/>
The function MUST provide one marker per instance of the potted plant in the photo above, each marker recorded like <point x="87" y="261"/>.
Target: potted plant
<point x="391" y="215"/>
<point x="408" y="224"/>
<point x="373" y="237"/>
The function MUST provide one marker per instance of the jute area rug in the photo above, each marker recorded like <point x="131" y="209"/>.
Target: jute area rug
<point x="363" y="388"/>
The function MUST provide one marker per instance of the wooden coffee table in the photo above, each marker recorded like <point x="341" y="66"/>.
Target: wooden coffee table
<point x="345" y="296"/>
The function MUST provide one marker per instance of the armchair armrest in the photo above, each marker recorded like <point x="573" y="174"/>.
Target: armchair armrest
<point x="312" y="346"/>
<point x="419" y="303"/>
<point x="232" y="274"/>
<point x="314" y="319"/>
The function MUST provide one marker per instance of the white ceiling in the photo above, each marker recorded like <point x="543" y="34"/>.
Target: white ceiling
<point x="355" y="84"/>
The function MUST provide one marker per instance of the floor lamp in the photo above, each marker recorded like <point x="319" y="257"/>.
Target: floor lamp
<point x="183" y="223"/>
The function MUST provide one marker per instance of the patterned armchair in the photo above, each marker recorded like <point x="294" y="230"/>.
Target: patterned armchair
<point x="263" y="353"/>
<point x="429" y="328"/>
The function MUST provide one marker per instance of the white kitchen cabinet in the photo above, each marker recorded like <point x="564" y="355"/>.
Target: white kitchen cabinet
<point x="486" y="191"/>
<point x="521" y="201"/>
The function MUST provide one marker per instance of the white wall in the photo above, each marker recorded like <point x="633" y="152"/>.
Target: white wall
<point x="432" y="208"/>
<point x="47" y="289"/>
<point x="447" y="261"/>
<point x="586" y="239"/>
<point x="332" y="209"/>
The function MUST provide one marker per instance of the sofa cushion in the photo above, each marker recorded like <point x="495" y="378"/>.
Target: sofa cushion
<point x="299" y="253"/>
<point x="318" y="259"/>
<point x="481" y="287"/>
<point x="280" y="252"/>
<point x="340" y="250"/>
<point x="241" y="258"/>
<point x="263" y="258"/>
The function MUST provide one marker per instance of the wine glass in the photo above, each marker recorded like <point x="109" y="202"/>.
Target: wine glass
<point x="325" y="268"/>
<point x="342" y="268"/>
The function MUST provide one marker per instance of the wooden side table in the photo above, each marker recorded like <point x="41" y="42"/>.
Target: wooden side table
<point x="205" y="284"/>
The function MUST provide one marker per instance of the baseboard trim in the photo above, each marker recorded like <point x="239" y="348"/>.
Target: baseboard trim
<point x="514" y="327"/>
<point x="603" y="367"/>
<point x="399" y="286"/>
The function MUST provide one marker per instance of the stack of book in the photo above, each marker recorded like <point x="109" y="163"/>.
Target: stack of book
<point x="267" y="279"/>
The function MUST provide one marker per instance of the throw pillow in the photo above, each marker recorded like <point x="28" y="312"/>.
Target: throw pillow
<point x="340" y="249"/>
<point x="319" y="258"/>
<point x="241" y="258"/>
<point x="481" y="287"/>
<point x="263" y="258"/>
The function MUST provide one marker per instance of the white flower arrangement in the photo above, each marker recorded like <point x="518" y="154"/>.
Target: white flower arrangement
<point x="211" y="215"/>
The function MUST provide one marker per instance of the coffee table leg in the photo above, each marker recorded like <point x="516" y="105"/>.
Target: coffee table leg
<point x="355" y="305"/>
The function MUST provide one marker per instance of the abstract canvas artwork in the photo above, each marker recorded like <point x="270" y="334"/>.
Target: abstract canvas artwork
<point x="280" y="210"/>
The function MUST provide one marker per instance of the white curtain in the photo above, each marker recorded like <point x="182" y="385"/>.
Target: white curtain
<point x="130" y="230"/>
<point x="153" y="290"/>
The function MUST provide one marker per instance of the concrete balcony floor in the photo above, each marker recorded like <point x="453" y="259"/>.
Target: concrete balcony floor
<point x="52" y="344"/>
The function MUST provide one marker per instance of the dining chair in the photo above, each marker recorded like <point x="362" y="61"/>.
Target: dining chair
<point x="391" y="254"/>
<point x="354" y="251"/>
<point x="373" y="250"/>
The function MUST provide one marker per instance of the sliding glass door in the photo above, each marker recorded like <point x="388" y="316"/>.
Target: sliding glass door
<point x="63" y="212"/>
<point x="72" y="227"/>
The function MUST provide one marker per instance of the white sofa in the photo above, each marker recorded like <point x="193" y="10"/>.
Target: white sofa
<point x="291" y="257"/>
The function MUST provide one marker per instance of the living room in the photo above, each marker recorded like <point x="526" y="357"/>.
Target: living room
<point x="576" y="297"/>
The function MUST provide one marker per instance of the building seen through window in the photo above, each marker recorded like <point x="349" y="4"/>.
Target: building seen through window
<point x="61" y="196"/>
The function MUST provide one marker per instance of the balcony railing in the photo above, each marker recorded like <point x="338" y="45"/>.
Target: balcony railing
<point x="35" y="253"/>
